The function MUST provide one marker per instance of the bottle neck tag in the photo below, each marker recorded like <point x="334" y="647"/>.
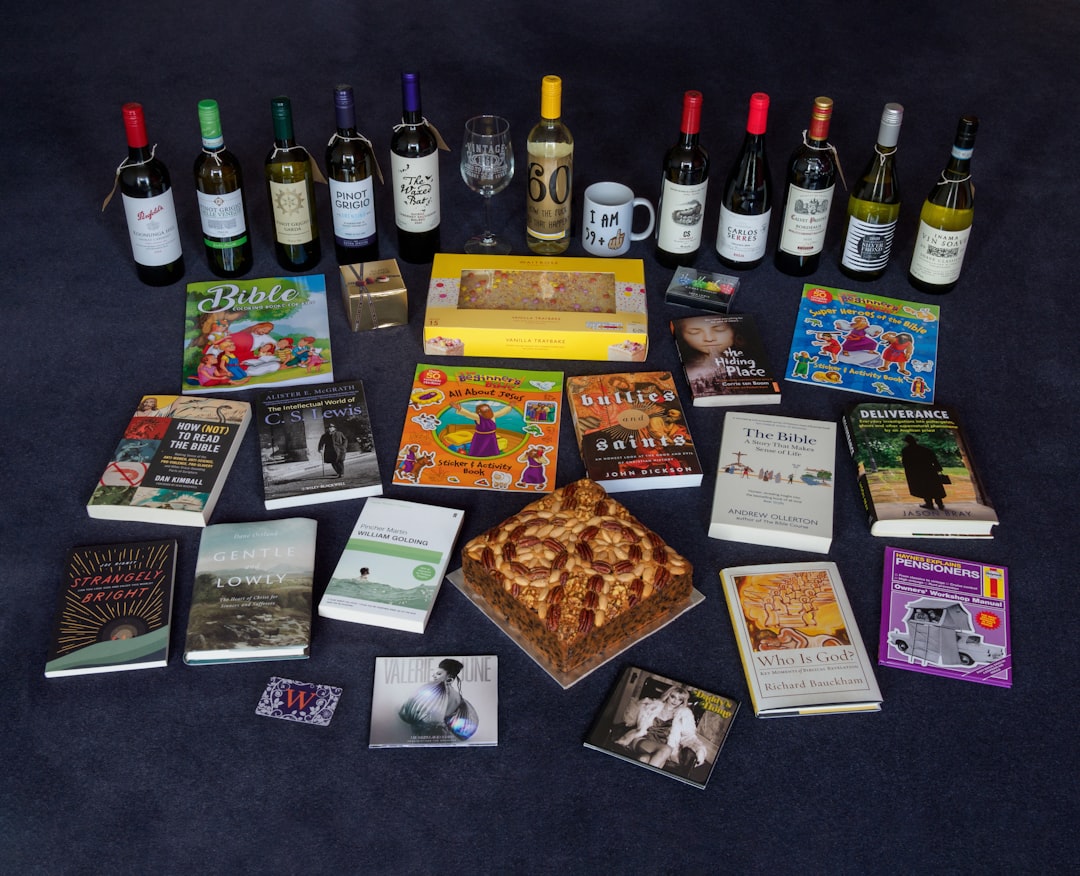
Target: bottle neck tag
<point x="127" y="162"/>
<point x="945" y="181"/>
<point x="362" y="139"/>
<point x="439" y="141"/>
<point x="316" y="174"/>
<point x="828" y="147"/>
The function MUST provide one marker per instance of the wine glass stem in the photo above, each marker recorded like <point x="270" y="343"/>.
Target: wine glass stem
<point x="488" y="233"/>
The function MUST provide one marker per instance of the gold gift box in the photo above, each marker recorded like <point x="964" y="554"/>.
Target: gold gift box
<point x="375" y="295"/>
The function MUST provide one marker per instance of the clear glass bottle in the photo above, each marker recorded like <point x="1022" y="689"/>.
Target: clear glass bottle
<point x="550" y="147"/>
<point x="350" y="171"/>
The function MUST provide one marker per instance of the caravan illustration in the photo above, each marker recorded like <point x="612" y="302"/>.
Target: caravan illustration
<point x="939" y="631"/>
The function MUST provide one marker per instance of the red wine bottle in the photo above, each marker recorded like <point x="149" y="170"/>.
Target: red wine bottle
<point x="746" y="207"/>
<point x="350" y="168"/>
<point x="811" y="177"/>
<point x="219" y="187"/>
<point x="414" y="162"/>
<point x="682" y="191"/>
<point x="148" y="206"/>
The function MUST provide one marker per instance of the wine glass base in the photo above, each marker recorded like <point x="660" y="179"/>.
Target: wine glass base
<point x="486" y="244"/>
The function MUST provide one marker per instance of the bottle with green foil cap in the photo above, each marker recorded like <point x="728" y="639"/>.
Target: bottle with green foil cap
<point x="290" y="186"/>
<point x="219" y="187"/>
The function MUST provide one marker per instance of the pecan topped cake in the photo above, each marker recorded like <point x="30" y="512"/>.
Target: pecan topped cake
<point x="577" y="574"/>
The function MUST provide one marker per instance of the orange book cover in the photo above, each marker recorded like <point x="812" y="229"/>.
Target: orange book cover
<point x="484" y="428"/>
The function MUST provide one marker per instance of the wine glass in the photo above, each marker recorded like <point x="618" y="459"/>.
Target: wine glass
<point x="487" y="166"/>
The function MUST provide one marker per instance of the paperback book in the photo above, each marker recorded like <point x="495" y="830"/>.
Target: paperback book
<point x="865" y="343"/>
<point x="393" y="565"/>
<point x="669" y="727"/>
<point x="252" y="334"/>
<point x="252" y="594"/>
<point x="115" y="609"/>
<point x="915" y="472"/>
<point x="631" y="431"/>
<point x="171" y="463"/>
<point x="774" y="482"/>
<point x="485" y="428"/>
<point x="724" y="360"/>
<point x="316" y="445"/>
<point x="946" y="617"/>
<point x="798" y="640"/>
<point x="425" y="702"/>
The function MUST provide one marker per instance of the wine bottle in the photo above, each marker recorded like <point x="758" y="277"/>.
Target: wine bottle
<point x="219" y="188"/>
<point x="350" y="168"/>
<point x="682" y="191"/>
<point x="746" y="207"/>
<point x="289" y="182"/>
<point x="874" y="205"/>
<point x="550" y="147"/>
<point x="811" y="176"/>
<point x="414" y="163"/>
<point x="148" y="206"/>
<point x="945" y="220"/>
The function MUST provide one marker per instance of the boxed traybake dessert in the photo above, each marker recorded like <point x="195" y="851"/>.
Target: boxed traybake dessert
<point x="537" y="307"/>
<point x="577" y="576"/>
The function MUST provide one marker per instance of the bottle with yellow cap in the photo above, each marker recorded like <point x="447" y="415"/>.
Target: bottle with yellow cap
<point x="551" y="168"/>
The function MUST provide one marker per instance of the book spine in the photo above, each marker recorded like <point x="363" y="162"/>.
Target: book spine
<point x="856" y="455"/>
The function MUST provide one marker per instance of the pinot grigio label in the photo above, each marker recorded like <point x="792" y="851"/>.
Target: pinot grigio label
<point x="353" y="207"/>
<point x="152" y="226"/>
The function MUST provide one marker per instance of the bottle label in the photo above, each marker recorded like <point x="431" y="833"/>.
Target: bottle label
<point x="939" y="254"/>
<point x="742" y="238"/>
<point x="805" y="219"/>
<point x="867" y="246"/>
<point x="416" y="191"/>
<point x="222" y="218"/>
<point x="679" y="216"/>
<point x="547" y="214"/>
<point x="154" y="232"/>
<point x="292" y="212"/>
<point x="353" y="208"/>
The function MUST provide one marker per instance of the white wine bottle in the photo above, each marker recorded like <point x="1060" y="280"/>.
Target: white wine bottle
<point x="350" y="170"/>
<point x="681" y="211"/>
<point x="290" y="184"/>
<point x="746" y="207"/>
<point x="550" y="147"/>
<point x="945" y="220"/>
<point x="220" y="189"/>
<point x="874" y="205"/>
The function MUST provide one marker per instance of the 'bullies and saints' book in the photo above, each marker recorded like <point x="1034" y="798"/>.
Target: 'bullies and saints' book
<point x="798" y="640"/>
<point x="673" y="728"/>
<point x="481" y="427"/>
<point x="724" y="360"/>
<point x="865" y="343"/>
<point x="915" y="472"/>
<point x="393" y="565"/>
<point x="946" y="617"/>
<point x="632" y="432"/>
<point x="171" y="463"/>
<point x="774" y="482"/>
<point x="316" y="445"/>
<point x="251" y="334"/>
<point x="115" y="609"/>
<point x="252" y="594"/>
<point x="435" y="701"/>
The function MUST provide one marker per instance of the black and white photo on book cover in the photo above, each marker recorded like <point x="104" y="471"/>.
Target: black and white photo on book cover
<point x="425" y="701"/>
<point x="671" y="727"/>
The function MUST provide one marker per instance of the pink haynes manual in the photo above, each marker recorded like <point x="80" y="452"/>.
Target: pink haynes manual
<point x="946" y="617"/>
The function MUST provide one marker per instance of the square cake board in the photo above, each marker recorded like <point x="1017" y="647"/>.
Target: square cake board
<point x="571" y="677"/>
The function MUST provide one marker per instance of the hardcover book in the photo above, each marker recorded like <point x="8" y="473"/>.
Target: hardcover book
<point x="798" y="640"/>
<point x="250" y="334"/>
<point x="171" y="463"/>
<point x="631" y="431"/>
<point x="865" y="343"/>
<point x="316" y="445"/>
<point x="670" y="727"/>
<point x="486" y="428"/>
<point x="774" y="482"/>
<point x="393" y="565"/>
<point x="915" y="472"/>
<point x="115" y="609"/>
<point x="946" y="617"/>
<point x="252" y="594"/>
<point x="435" y="702"/>
<point x="724" y="361"/>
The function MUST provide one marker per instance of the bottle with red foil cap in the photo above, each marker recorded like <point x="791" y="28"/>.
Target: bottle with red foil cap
<point x="682" y="191"/>
<point x="811" y="178"/>
<point x="746" y="207"/>
<point x="148" y="206"/>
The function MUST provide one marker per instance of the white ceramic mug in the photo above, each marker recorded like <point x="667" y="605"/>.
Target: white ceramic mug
<point x="608" y="221"/>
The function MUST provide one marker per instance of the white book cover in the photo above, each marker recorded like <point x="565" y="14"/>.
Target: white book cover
<point x="774" y="482"/>
<point x="393" y="565"/>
